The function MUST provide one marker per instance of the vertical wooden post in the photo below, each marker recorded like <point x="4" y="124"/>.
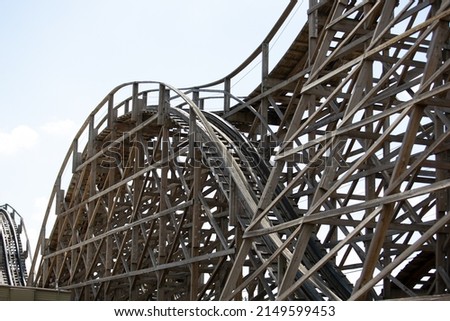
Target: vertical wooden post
<point x="90" y="250"/>
<point x="112" y="114"/>
<point x="110" y="181"/>
<point x="76" y="156"/>
<point x="59" y="207"/>
<point x="313" y="22"/>
<point x="136" y="112"/>
<point x="193" y="131"/>
<point x="442" y="207"/>
<point x="196" y="96"/>
<point x="264" y="108"/>
<point x="163" y="104"/>
<point x="162" y="250"/>
<point x="109" y="264"/>
<point x="226" y="97"/>
<point x="195" y="161"/>
<point x="386" y="259"/>
<point x="138" y="182"/>
<point x="196" y="226"/>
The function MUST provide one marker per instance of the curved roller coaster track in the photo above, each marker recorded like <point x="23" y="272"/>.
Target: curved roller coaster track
<point x="14" y="248"/>
<point x="329" y="181"/>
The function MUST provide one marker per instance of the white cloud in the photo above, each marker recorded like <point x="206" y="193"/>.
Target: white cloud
<point x="66" y="128"/>
<point x="18" y="139"/>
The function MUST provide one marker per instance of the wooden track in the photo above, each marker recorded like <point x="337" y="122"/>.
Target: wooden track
<point x="330" y="181"/>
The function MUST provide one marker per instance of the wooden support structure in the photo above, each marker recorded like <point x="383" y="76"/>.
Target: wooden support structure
<point x="329" y="181"/>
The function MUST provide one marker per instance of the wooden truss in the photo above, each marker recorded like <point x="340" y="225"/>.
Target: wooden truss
<point x="330" y="181"/>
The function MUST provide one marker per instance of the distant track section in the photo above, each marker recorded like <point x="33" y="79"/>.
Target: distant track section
<point x="13" y="269"/>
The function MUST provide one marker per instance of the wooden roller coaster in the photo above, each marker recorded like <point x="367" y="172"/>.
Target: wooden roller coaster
<point x="330" y="181"/>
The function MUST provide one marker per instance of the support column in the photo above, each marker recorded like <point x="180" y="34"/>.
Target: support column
<point x="442" y="208"/>
<point x="226" y="97"/>
<point x="196" y="226"/>
<point x="164" y="96"/>
<point x="163" y="220"/>
<point x="195" y="210"/>
<point x="264" y="108"/>
<point x="90" y="249"/>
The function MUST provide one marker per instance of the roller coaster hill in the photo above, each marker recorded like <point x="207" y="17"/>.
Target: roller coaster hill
<point x="15" y="259"/>
<point x="14" y="248"/>
<point x="329" y="181"/>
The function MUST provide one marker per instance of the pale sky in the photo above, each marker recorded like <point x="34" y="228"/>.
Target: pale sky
<point x="58" y="59"/>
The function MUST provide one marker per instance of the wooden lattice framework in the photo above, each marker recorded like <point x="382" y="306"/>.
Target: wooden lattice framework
<point x="329" y="181"/>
